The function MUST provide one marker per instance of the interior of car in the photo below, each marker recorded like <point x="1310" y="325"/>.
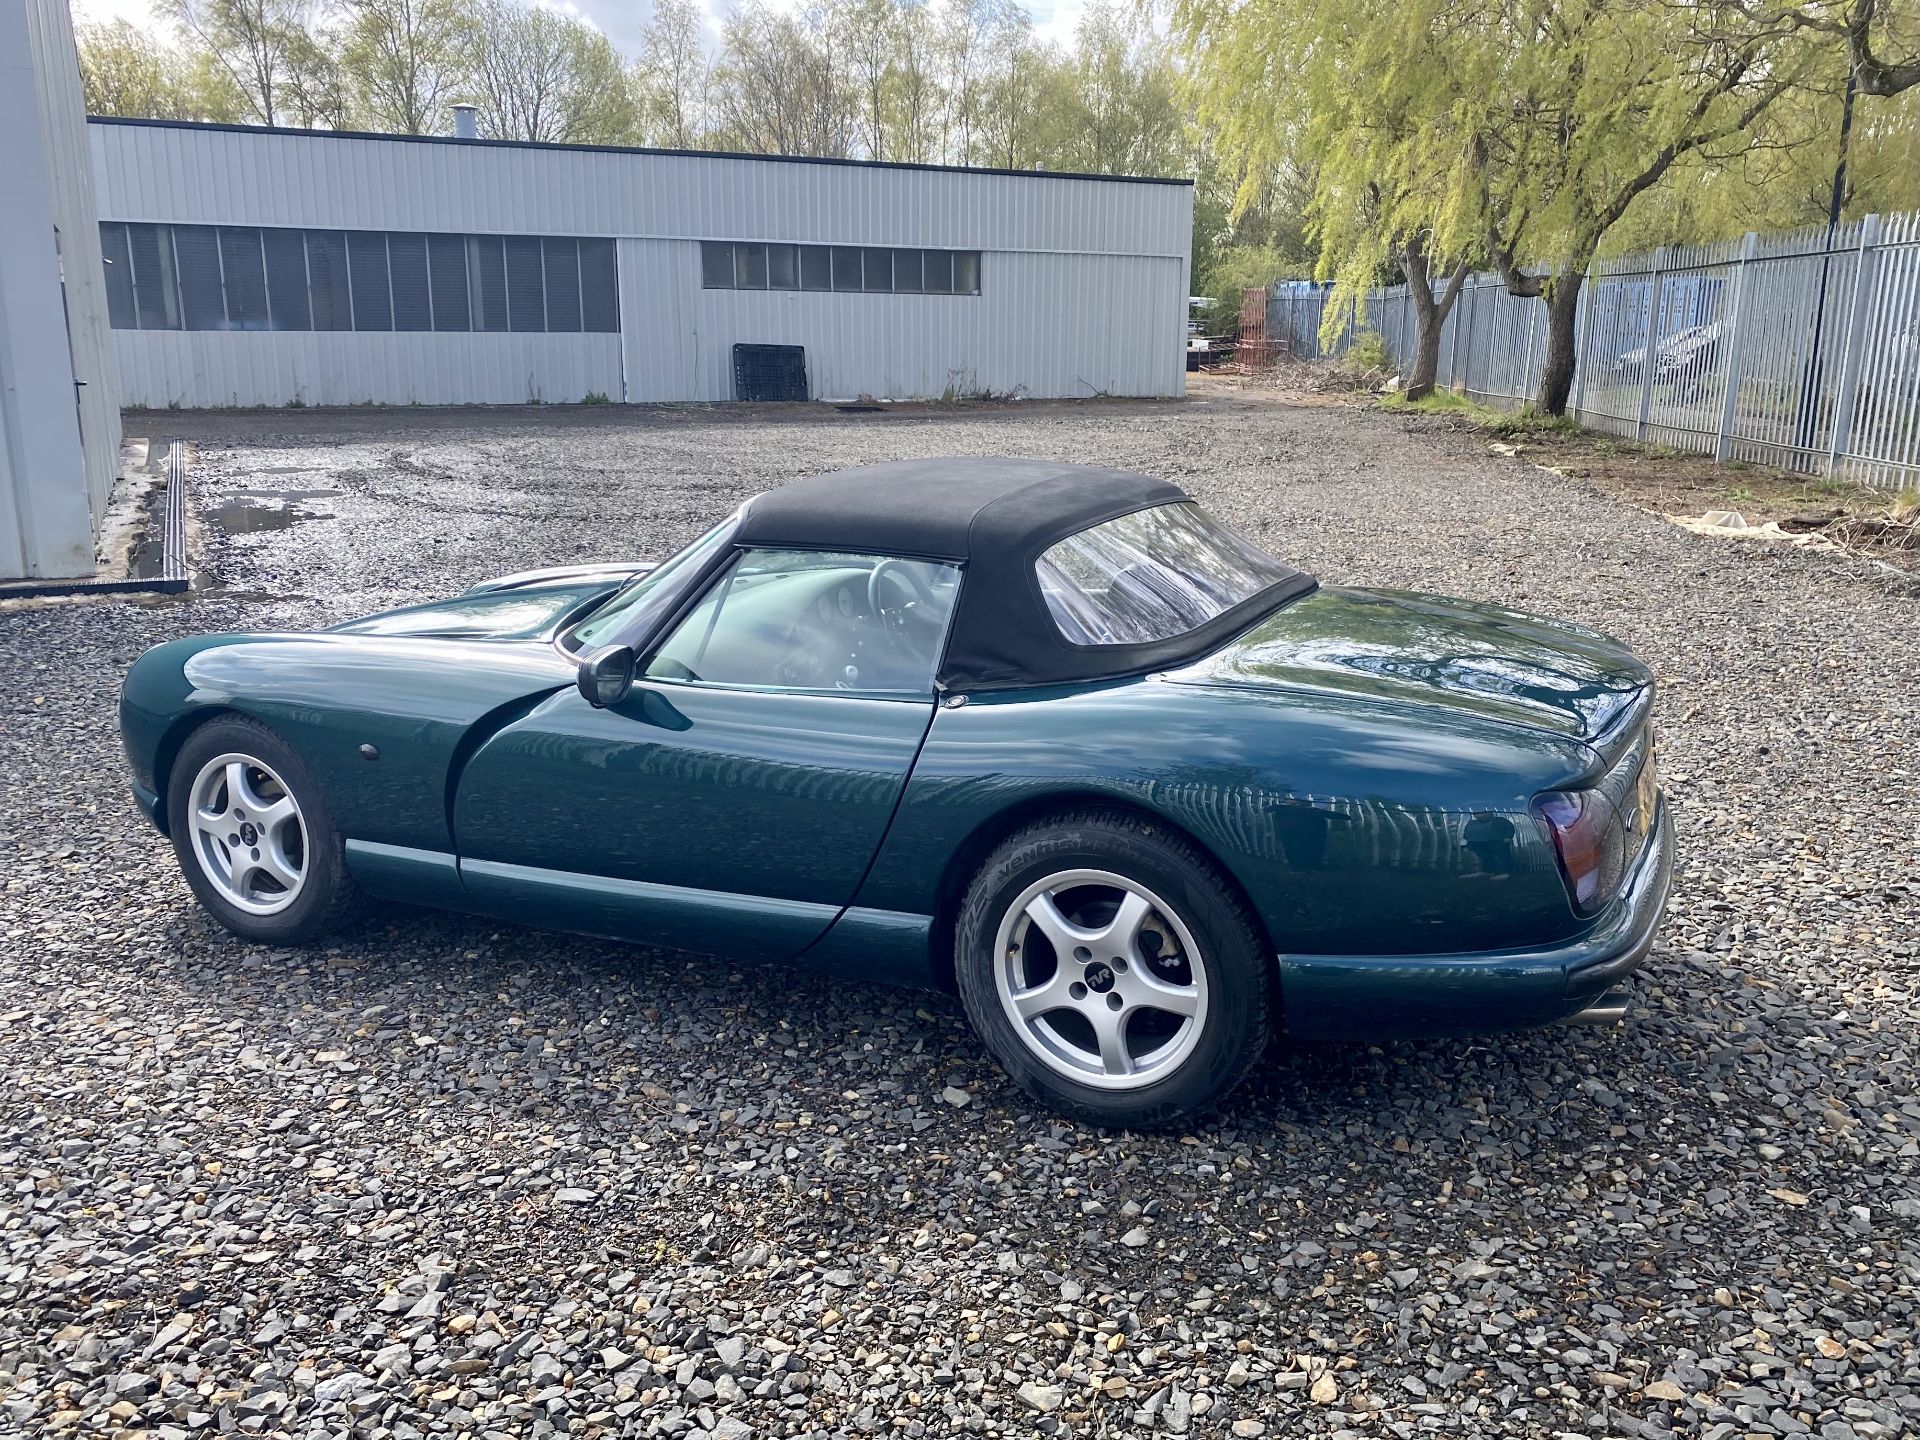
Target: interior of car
<point x="815" y="620"/>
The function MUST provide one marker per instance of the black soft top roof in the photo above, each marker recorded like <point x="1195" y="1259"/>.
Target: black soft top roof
<point x="961" y="510"/>
<point x="994" y="517"/>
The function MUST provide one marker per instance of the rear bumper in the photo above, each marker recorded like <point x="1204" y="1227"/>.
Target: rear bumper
<point x="1381" y="997"/>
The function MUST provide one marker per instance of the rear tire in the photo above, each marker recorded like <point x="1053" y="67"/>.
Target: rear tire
<point x="255" y="838"/>
<point x="1112" y="971"/>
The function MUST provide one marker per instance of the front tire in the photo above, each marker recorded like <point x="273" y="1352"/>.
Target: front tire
<point x="254" y="836"/>
<point x="1112" y="971"/>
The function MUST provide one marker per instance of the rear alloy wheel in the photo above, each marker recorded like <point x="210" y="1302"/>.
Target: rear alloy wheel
<point x="1111" y="971"/>
<point x="256" y="841"/>
<point x="1105" y="983"/>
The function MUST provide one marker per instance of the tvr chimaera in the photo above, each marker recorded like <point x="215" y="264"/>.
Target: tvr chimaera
<point x="1050" y="735"/>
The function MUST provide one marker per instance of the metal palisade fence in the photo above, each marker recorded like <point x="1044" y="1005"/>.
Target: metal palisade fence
<point x="1792" y="350"/>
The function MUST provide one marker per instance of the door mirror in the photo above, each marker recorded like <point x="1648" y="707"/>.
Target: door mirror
<point x="606" y="675"/>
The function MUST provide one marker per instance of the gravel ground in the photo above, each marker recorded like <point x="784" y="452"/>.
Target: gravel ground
<point x="457" y="1179"/>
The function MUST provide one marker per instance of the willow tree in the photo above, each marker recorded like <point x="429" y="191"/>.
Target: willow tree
<point x="1575" y="110"/>
<point x="1354" y="94"/>
<point x="1521" y="129"/>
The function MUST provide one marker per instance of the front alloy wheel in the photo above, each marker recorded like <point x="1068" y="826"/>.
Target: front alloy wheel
<point x="255" y="836"/>
<point x="248" y="834"/>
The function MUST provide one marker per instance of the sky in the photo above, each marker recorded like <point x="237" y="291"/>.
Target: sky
<point x="622" y="20"/>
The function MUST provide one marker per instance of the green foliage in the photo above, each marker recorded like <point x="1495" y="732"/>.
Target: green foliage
<point x="1367" y="355"/>
<point x="275" y="55"/>
<point x="125" y="70"/>
<point x="539" y="74"/>
<point x="595" y="397"/>
<point x="404" y="60"/>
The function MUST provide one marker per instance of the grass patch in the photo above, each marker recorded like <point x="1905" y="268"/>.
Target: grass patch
<point x="595" y="397"/>
<point x="1482" y="417"/>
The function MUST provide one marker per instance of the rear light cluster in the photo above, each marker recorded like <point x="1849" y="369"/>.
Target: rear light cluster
<point x="1599" y="833"/>
<point x="1591" y="841"/>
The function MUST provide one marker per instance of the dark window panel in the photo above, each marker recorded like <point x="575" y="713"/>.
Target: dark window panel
<point x="121" y="313"/>
<point x="447" y="267"/>
<point x="783" y="267"/>
<point x="526" y="285"/>
<point x="287" y="307"/>
<point x="716" y="265"/>
<point x="412" y="291"/>
<point x="816" y="267"/>
<point x="938" y="273"/>
<point x="907" y="270"/>
<point x="196" y="255"/>
<point x="846" y="268"/>
<point x="156" y="299"/>
<point x="750" y="267"/>
<point x="327" y="280"/>
<point x="245" y="269"/>
<point x="877" y="270"/>
<point x="966" y="272"/>
<point x="367" y="268"/>
<point x="599" y="286"/>
<point x="487" y="270"/>
<point x="562" y="259"/>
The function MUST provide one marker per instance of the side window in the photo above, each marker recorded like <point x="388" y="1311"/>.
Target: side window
<point x="816" y="620"/>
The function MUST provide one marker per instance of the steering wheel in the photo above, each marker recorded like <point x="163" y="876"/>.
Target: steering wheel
<point x="896" y="620"/>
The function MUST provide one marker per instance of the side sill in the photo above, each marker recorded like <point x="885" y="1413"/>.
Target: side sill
<point x="886" y="947"/>
<point x="400" y="872"/>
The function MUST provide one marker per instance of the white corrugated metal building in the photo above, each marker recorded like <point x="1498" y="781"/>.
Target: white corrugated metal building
<point x="59" y="421"/>
<point x="250" y="266"/>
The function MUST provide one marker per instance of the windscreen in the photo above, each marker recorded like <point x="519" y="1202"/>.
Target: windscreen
<point x="1152" y="575"/>
<point x="621" y="612"/>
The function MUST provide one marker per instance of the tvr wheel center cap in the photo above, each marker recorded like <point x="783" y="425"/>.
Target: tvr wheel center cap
<point x="249" y="835"/>
<point x="1099" y="978"/>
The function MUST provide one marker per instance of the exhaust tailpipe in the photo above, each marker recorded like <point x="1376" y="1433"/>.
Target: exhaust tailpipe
<point x="1608" y="1009"/>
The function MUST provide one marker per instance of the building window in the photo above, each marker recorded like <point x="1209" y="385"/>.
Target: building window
<point x="202" y="277"/>
<point x="750" y="265"/>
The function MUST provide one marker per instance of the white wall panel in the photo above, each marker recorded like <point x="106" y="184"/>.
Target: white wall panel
<point x="59" y="425"/>
<point x="1084" y="281"/>
<point x="1043" y="326"/>
<point x="214" y="368"/>
<point x="213" y="175"/>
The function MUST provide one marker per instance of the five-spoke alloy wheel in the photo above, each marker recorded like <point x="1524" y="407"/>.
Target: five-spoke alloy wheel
<point x="248" y="834"/>
<point x="1111" y="969"/>
<point x="256" y="841"/>
<point x="1104" y="980"/>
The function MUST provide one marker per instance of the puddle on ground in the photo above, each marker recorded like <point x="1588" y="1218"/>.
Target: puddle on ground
<point x="290" y="496"/>
<point x="146" y="561"/>
<point x="247" y="517"/>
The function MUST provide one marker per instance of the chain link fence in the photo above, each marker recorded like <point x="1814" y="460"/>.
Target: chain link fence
<point x="1799" y="350"/>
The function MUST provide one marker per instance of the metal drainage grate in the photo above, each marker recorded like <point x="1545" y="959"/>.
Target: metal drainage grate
<point x="173" y="577"/>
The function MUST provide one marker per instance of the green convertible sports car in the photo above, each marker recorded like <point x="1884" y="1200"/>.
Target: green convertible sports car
<point x="1048" y="735"/>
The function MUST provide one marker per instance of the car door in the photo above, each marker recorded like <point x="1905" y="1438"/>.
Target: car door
<point x="732" y="802"/>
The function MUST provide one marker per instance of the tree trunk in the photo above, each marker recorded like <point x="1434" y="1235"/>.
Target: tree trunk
<point x="1426" y="353"/>
<point x="1429" y="315"/>
<point x="1563" y="313"/>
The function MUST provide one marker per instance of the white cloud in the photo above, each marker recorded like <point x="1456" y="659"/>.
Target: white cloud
<point x="1057" y="22"/>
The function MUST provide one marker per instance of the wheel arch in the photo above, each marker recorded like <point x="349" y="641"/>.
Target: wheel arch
<point x="967" y="857"/>
<point x="174" y="739"/>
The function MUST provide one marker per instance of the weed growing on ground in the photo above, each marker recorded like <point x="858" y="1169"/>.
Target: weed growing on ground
<point x="1367" y="355"/>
